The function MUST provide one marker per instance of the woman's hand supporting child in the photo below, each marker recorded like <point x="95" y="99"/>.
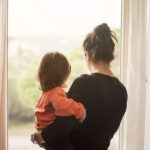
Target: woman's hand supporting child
<point x="83" y="116"/>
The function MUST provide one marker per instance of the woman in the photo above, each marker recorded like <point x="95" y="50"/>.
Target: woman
<point x="102" y="94"/>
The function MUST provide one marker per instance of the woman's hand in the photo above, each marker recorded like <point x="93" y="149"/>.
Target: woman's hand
<point x="83" y="116"/>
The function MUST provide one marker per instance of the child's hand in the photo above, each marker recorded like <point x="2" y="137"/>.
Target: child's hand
<point x="83" y="116"/>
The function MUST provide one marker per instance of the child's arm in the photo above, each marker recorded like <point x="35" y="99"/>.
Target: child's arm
<point x="67" y="107"/>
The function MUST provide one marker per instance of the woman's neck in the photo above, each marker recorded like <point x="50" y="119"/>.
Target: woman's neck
<point x="102" y="68"/>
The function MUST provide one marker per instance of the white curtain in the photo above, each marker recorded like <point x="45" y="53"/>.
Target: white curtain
<point x="3" y="74"/>
<point x="135" y="74"/>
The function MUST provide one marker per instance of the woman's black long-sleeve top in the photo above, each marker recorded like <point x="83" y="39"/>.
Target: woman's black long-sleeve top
<point x="105" y="100"/>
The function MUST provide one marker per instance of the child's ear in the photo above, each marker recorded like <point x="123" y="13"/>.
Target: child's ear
<point x="64" y="85"/>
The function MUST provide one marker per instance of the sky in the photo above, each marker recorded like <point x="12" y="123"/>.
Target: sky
<point x="61" y="17"/>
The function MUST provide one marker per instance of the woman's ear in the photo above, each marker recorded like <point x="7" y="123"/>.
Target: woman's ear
<point x="88" y="58"/>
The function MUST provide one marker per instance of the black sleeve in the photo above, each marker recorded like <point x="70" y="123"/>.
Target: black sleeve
<point x="63" y="125"/>
<point x="58" y="129"/>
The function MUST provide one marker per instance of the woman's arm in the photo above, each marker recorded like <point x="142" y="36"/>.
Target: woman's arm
<point x="63" y="125"/>
<point x="58" y="129"/>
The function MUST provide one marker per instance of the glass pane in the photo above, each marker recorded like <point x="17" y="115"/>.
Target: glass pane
<point x="36" y="27"/>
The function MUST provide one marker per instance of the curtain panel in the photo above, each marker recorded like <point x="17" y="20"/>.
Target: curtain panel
<point x="135" y="74"/>
<point x="3" y="74"/>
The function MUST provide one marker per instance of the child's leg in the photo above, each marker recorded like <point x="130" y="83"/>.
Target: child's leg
<point x="48" y="146"/>
<point x="64" y="144"/>
<point x="67" y="145"/>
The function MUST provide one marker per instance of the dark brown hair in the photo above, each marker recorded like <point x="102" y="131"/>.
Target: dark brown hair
<point x="53" y="71"/>
<point x="99" y="44"/>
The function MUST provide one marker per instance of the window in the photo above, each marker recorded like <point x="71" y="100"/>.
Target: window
<point x="36" y="27"/>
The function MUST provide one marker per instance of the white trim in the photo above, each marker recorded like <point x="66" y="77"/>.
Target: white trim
<point x="3" y="74"/>
<point x="124" y="62"/>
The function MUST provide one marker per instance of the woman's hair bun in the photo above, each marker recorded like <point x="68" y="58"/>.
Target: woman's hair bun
<point x="102" y="30"/>
<point x="99" y="44"/>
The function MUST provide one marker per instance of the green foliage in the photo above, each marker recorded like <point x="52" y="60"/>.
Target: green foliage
<point x="76" y="59"/>
<point x="28" y="92"/>
<point x="21" y="79"/>
<point x="16" y="111"/>
<point x="19" y="112"/>
<point x="27" y="88"/>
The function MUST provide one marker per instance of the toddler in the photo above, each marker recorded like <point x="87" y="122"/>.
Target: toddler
<point x="53" y="73"/>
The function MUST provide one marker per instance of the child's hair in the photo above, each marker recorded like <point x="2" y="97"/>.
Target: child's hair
<point x="53" y="71"/>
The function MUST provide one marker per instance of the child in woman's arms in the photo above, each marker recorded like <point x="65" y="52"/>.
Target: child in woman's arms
<point x="53" y="73"/>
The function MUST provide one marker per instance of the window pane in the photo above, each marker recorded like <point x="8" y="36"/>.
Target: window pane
<point x="36" y="27"/>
